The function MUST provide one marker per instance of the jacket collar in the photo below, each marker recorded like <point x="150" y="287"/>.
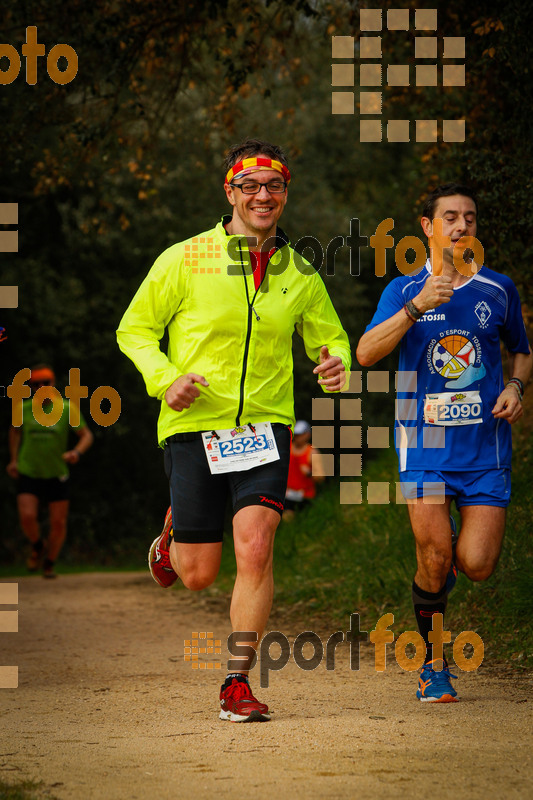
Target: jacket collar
<point x="281" y="237"/>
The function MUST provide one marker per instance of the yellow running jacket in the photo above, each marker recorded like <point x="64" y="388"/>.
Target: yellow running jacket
<point x="221" y="327"/>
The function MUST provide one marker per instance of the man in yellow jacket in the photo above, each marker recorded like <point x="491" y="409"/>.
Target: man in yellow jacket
<point x="231" y="298"/>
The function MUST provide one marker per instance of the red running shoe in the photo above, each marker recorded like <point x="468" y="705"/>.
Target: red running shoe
<point x="159" y="559"/>
<point x="238" y="704"/>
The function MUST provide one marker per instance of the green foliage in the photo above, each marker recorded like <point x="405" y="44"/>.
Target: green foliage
<point x="24" y="790"/>
<point x="497" y="156"/>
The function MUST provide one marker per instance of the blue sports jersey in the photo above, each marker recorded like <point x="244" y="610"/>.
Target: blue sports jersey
<point x="450" y="373"/>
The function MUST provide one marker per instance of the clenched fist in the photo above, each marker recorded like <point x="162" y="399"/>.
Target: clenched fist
<point x="183" y="392"/>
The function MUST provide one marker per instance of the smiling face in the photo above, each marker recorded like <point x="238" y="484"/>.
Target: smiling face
<point x="256" y="214"/>
<point x="459" y="218"/>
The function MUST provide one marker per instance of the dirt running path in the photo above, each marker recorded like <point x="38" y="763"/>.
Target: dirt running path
<point x="107" y="709"/>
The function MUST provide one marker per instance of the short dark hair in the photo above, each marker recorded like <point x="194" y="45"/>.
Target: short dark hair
<point x="446" y="190"/>
<point x="250" y="148"/>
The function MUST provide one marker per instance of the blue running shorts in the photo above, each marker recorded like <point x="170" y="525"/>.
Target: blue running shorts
<point x="487" y="487"/>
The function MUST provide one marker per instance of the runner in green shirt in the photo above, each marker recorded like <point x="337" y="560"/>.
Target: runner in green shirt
<point x="39" y="459"/>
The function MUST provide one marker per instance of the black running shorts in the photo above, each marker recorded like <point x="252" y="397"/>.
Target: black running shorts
<point x="199" y="499"/>
<point x="48" y="490"/>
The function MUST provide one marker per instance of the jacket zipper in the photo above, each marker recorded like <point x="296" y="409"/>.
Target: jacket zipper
<point x="248" y="337"/>
<point x="244" y="364"/>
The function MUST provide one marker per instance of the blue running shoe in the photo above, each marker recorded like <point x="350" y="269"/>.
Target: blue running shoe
<point x="435" y="686"/>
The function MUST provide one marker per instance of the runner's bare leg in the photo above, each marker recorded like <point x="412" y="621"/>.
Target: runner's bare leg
<point x="254" y="528"/>
<point x="58" y="510"/>
<point x="197" y="564"/>
<point x="28" y="509"/>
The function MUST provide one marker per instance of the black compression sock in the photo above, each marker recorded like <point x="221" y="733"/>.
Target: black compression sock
<point x="237" y="675"/>
<point x="426" y="604"/>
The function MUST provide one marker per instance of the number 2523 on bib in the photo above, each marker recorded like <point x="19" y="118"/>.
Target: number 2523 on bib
<point x="240" y="448"/>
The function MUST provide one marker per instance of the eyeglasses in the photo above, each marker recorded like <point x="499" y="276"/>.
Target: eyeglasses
<point x="253" y="187"/>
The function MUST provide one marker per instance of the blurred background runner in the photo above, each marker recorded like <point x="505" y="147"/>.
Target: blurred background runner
<point x="305" y="470"/>
<point x="39" y="462"/>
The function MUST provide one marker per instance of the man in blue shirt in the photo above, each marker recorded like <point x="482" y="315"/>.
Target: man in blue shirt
<point x="452" y="428"/>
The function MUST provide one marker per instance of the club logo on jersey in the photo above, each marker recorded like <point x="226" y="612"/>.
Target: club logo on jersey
<point x="482" y="312"/>
<point x="456" y="356"/>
